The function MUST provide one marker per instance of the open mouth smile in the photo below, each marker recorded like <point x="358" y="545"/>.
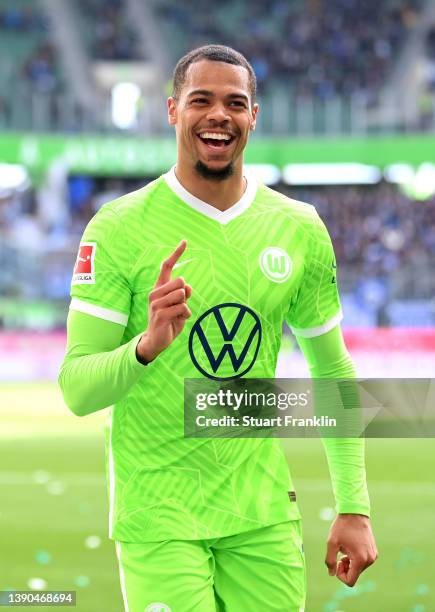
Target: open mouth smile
<point x="216" y="141"/>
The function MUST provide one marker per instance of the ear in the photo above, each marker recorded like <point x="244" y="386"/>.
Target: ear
<point x="172" y="111"/>
<point x="254" y="112"/>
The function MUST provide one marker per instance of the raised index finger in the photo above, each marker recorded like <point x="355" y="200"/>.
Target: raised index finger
<point x="168" y="264"/>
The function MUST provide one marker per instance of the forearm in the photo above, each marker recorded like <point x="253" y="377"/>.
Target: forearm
<point x="96" y="371"/>
<point x="328" y="358"/>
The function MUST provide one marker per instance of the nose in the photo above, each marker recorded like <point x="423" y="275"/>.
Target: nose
<point x="217" y="112"/>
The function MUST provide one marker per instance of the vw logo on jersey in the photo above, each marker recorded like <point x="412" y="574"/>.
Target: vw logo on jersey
<point x="225" y="340"/>
<point x="275" y="264"/>
<point x="157" y="607"/>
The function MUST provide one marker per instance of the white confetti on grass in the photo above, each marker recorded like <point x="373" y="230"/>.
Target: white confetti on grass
<point x="37" y="584"/>
<point x="327" y="513"/>
<point x="93" y="541"/>
<point x="41" y="477"/>
<point x="55" y="487"/>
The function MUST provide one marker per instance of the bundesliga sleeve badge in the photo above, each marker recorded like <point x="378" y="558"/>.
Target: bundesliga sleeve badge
<point x="84" y="269"/>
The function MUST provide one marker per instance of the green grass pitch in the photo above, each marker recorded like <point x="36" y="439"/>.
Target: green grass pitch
<point x="54" y="508"/>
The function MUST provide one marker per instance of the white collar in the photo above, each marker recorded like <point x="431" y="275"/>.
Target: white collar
<point x="222" y="216"/>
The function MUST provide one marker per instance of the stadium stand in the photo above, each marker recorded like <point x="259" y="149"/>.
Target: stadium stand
<point x="427" y="98"/>
<point x="381" y="237"/>
<point x="315" y="48"/>
<point x="384" y="240"/>
<point x="384" y="243"/>
<point x="107" y="31"/>
<point x="321" y="67"/>
<point x="28" y="63"/>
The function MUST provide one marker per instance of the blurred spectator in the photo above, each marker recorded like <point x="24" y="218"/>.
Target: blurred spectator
<point x="321" y="48"/>
<point x="113" y="189"/>
<point x="5" y="111"/>
<point x="384" y="241"/>
<point x="29" y="69"/>
<point x="21" y="222"/>
<point x="40" y="69"/>
<point x="21" y="19"/>
<point x="378" y="233"/>
<point x="307" y="49"/>
<point x="113" y="38"/>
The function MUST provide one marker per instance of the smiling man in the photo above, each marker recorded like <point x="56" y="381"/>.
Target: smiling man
<point x="210" y="147"/>
<point x="208" y="524"/>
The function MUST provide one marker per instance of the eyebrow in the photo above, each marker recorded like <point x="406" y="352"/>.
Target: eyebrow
<point x="206" y="92"/>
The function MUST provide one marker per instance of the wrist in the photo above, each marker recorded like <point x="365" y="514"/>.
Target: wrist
<point x="144" y="353"/>
<point x="353" y="514"/>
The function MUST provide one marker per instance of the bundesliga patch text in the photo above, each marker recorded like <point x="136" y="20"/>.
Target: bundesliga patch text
<point x="84" y="269"/>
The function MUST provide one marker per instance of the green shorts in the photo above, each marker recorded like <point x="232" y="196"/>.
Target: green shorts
<point x="252" y="571"/>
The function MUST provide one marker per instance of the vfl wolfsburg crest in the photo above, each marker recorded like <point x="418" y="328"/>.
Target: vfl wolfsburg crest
<point x="275" y="264"/>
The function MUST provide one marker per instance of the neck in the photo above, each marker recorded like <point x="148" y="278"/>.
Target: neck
<point x="220" y="194"/>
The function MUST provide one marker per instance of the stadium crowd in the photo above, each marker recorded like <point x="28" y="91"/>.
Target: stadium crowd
<point x="430" y="56"/>
<point x="25" y="33"/>
<point x="320" y="48"/>
<point x="381" y="237"/>
<point x="23" y="18"/>
<point x="311" y="49"/>
<point x="112" y="37"/>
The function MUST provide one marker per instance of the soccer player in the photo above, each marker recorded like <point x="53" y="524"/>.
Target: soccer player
<point x="192" y="276"/>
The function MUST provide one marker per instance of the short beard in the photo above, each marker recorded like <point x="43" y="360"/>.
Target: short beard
<point x="214" y="175"/>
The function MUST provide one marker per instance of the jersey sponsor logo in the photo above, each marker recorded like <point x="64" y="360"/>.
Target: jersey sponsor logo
<point x="275" y="264"/>
<point x="157" y="607"/>
<point x="84" y="269"/>
<point x="226" y="337"/>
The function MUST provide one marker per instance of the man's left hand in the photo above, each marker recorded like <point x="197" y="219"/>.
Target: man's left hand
<point x="350" y="534"/>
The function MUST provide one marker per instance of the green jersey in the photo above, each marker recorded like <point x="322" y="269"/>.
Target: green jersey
<point x="267" y="259"/>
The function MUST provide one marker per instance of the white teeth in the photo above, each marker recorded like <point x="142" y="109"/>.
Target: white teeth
<point x="215" y="136"/>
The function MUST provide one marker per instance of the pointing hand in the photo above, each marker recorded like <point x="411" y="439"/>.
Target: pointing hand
<point x="167" y="309"/>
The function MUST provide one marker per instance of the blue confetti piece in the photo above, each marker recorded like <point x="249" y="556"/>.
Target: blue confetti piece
<point x="370" y="586"/>
<point x="346" y="591"/>
<point x="409" y="556"/>
<point x="422" y="589"/>
<point x="81" y="581"/>
<point x="43" y="557"/>
<point x="85" y="508"/>
<point x="362" y="587"/>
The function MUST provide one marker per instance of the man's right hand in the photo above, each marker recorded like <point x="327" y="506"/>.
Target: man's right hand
<point x="167" y="309"/>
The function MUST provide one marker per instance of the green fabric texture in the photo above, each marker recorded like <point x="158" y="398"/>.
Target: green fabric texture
<point x="215" y="575"/>
<point x="110" y="370"/>
<point x="328" y="358"/>
<point x="97" y="370"/>
<point x="268" y="254"/>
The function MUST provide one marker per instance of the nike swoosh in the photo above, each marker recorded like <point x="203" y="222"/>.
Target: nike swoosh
<point x="181" y="263"/>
